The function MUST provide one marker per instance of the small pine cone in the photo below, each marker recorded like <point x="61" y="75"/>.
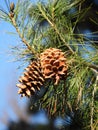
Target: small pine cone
<point x="32" y="80"/>
<point x="53" y="63"/>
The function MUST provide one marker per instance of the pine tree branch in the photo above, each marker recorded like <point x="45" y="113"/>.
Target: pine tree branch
<point x="21" y="36"/>
<point x="55" y="28"/>
<point x="93" y="67"/>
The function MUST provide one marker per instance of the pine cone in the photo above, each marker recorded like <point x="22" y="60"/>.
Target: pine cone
<point x="53" y="63"/>
<point x="32" y="80"/>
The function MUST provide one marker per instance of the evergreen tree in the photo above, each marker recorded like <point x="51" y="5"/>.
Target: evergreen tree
<point x="62" y="76"/>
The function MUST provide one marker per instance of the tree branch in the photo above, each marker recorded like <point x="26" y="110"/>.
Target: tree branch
<point x="21" y="36"/>
<point x="55" y="28"/>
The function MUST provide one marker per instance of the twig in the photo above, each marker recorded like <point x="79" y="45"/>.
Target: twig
<point x="55" y="28"/>
<point x="21" y="36"/>
<point x="79" y="96"/>
<point x="92" y="103"/>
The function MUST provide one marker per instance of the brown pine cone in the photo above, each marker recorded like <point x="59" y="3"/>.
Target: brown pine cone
<point x="32" y="80"/>
<point x="53" y="63"/>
